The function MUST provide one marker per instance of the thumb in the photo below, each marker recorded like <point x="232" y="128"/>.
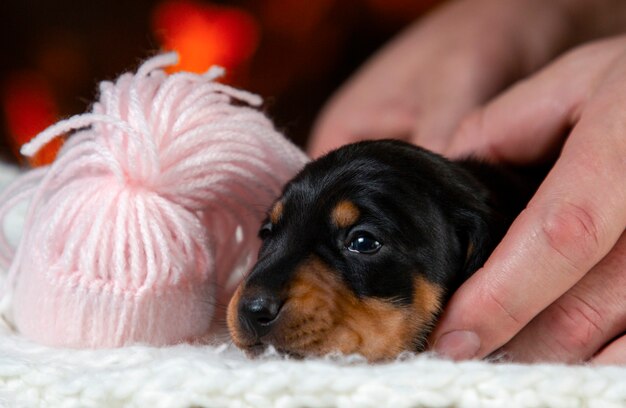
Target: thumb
<point x="568" y="226"/>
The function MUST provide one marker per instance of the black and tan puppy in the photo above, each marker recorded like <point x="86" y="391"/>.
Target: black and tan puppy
<point x="365" y="246"/>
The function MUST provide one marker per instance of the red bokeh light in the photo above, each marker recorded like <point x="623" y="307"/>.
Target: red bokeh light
<point x="29" y="107"/>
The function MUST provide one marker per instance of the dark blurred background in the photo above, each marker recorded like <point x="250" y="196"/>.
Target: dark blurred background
<point x="294" y="53"/>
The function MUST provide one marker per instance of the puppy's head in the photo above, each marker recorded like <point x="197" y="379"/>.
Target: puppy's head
<point x="360" y="252"/>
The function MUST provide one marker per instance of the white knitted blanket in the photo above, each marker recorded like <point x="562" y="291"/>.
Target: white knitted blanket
<point x="219" y="376"/>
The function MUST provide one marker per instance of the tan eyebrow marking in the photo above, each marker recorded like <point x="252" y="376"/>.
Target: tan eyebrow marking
<point x="276" y="212"/>
<point x="345" y="214"/>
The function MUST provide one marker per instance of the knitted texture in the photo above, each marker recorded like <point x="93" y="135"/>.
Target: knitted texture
<point x="148" y="217"/>
<point x="185" y="376"/>
<point x="210" y="377"/>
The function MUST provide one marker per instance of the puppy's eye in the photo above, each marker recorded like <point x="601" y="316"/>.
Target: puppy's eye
<point x="363" y="243"/>
<point x="266" y="230"/>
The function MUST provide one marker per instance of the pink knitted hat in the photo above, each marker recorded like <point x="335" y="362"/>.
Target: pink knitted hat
<point x="148" y="216"/>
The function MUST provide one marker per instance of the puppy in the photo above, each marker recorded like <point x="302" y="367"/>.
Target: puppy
<point x="365" y="246"/>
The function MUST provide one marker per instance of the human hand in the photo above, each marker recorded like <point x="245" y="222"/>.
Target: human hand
<point x="555" y="287"/>
<point x="424" y="82"/>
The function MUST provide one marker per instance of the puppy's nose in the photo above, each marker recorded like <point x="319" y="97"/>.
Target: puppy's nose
<point x="258" y="313"/>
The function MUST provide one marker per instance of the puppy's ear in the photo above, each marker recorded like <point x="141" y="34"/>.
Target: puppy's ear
<point x="477" y="239"/>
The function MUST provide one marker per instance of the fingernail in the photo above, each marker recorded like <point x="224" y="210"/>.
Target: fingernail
<point x="458" y="345"/>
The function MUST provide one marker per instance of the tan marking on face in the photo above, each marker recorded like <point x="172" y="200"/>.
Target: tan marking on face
<point x="322" y="315"/>
<point x="427" y="303"/>
<point x="277" y="212"/>
<point x="232" y="317"/>
<point x="345" y="214"/>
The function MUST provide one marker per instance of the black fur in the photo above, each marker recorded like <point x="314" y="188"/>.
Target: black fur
<point x="434" y="217"/>
<point x="426" y="211"/>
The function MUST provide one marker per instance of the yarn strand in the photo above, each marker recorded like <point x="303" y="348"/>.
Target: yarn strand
<point x="151" y="205"/>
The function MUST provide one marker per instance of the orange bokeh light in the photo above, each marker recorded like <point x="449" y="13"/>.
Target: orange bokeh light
<point x="205" y="34"/>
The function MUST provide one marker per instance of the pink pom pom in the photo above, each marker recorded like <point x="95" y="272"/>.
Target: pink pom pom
<point x="148" y="216"/>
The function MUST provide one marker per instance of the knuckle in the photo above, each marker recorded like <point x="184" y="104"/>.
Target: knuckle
<point x="576" y="325"/>
<point x="572" y="232"/>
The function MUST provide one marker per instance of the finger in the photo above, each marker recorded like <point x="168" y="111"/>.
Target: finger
<point x="436" y="124"/>
<point x="419" y="113"/>
<point x="614" y="353"/>
<point x="377" y="102"/>
<point x="581" y="321"/>
<point x="414" y="88"/>
<point x="528" y="123"/>
<point x="570" y="224"/>
<point x="353" y="116"/>
<point x="552" y="244"/>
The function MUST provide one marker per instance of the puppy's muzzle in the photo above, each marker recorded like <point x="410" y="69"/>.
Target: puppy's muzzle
<point x="258" y="311"/>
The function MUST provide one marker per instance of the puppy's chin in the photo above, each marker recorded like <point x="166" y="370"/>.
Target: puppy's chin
<point x="261" y="350"/>
<point x="253" y="350"/>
